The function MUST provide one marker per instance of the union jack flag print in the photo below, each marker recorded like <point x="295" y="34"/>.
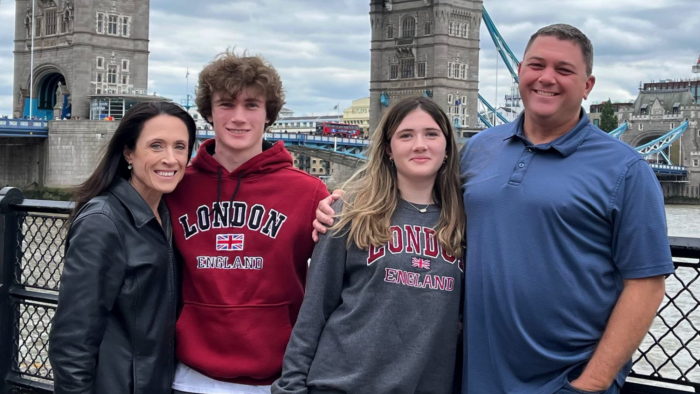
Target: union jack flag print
<point x="229" y="242"/>
<point x="420" y="263"/>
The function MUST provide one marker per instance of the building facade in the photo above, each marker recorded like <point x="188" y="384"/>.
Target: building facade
<point x="693" y="85"/>
<point x="595" y="111"/>
<point x="81" y="48"/>
<point x="426" y="48"/>
<point x="656" y="112"/>
<point x="358" y="114"/>
<point x="305" y="125"/>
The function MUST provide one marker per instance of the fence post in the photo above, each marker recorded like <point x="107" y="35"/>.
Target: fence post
<point x="8" y="256"/>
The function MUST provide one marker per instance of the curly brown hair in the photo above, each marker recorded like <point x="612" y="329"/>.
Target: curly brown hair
<point x="229" y="74"/>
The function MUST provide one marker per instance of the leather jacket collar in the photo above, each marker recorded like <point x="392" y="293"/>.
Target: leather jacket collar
<point x="136" y="205"/>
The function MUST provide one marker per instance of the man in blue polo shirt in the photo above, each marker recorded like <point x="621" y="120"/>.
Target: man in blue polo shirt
<point x="566" y="235"/>
<point x="566" y="238"/>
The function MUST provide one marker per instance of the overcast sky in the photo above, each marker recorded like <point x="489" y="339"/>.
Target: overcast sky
<point x="321" y="47"/>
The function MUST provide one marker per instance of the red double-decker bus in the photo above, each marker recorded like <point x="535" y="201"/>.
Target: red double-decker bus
<point x="339" y="130"/>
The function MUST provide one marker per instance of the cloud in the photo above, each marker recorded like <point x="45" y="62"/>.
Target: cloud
<point x="321" y="48"/>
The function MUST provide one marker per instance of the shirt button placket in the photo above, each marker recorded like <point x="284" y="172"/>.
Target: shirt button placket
<point x="521" y="168"/>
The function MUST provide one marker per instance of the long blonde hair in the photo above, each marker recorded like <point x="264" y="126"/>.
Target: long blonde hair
<point x="372" y="193"/>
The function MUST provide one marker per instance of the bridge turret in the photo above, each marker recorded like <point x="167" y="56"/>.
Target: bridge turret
<point x="696" y="66"/>
<point x="426" y="48"/>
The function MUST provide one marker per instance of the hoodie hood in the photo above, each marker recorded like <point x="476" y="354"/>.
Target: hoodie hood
<point x="273" y="157"/>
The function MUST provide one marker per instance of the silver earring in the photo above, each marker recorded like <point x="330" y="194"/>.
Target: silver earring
<point x="444" y="160"/>
<point x="129" y="166"/>
<point x="391" y="159"/>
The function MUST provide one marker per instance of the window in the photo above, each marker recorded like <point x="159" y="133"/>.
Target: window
<point x="100" y="62"/>
<point x="50" y="22"/>
<point x="37" y="30"/>
<point x="99" y="78"/>
<point x="112" y="74"/>
<point x="696" y="162"/>
<point x="390" y="31"/>
<point x="98" y="90"/>
<point x="428" y="28"/>
<point x="671" y="126"/>
<point x="112" y="25"/>
<point x="450" y="70"/>
<point x="465" y="30"/>
<point x="100" y="23"/>
<point x="65" y="20"/>
<point x="313" y="161"/>
<point x="450" y="29"/>
<point x="458" y="29"/>
<point x="450" y="102"/>
<point x="125" y="26"/>
<point x="408" y="28"/>
<point x="641" y="127"/>
<point x="421" y="70"/>
<point x="313" y="170"/>
<point x="596" y="122"/>
<point x="408" y="68"/>
<point x="463" y="71"/>
<point x="394" y="73"/>
<point x="125" y="65"/>
<point x="125" y="79"/>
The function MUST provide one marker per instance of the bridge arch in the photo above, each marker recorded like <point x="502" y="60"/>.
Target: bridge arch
<point x="646" y="136"/>
<point x="643" y="138"/>
<point x="46" y="80"/>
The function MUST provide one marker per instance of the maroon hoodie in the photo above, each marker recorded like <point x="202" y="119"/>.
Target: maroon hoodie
<point x="245" y="238"/>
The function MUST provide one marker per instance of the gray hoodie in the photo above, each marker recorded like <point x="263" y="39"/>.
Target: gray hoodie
<point x="378" y="321"/>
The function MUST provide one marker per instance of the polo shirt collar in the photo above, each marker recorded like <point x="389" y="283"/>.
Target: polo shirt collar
<point x="566" y="144"/>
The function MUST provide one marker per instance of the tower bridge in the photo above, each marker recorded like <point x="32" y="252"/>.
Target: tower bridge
<point x="424" y="47"/>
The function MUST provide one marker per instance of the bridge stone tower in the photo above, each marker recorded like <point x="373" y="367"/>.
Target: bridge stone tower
<point x="426" y="48"/>
<point x="81" y="48"/>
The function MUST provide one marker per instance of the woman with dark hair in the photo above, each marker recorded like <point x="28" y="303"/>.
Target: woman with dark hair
<point x="114" y="328"/>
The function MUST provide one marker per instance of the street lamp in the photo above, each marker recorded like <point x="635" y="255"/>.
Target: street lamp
<point x="31" y="67"/>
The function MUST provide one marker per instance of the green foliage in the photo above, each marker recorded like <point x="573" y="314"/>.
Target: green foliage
<point x="608" y="119"/>
<point x="48" y="193"/>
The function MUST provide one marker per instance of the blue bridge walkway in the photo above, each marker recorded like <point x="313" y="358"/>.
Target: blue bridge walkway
<point x="24" y="128"/>
<point x="344" y="151"/>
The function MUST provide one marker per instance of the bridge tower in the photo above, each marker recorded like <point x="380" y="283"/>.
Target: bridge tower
<point x="81" y="48"/>
<point x="426" y="48"/>
<point x="696" y="66"/>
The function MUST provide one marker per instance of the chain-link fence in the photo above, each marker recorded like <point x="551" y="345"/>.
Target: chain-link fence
<point x="31" y="260"/>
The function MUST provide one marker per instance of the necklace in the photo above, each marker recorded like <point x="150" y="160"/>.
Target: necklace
<point x="421" y="210"/>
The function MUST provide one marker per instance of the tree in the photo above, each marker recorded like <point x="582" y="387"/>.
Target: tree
<point x="608" y="119"/>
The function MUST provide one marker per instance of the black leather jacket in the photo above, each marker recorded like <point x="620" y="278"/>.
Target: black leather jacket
<point x="114" y="329"/>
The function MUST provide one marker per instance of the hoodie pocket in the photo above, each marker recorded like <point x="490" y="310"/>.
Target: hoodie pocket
<point x="228" y="342"/>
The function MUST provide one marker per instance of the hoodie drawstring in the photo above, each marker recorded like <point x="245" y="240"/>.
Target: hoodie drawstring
<point x="238" y="186"/>
<point x="217" y="208"/>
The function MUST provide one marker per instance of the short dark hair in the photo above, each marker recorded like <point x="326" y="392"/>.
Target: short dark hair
<point x="113" y="164"/>
<point x="566" y="32"/>
<point x="228" y="74"/>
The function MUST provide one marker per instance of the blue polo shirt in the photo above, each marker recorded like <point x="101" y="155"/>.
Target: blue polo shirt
<point x="552" y="230"/>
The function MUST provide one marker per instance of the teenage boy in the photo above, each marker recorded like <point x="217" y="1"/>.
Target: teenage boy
<point x="242" y="219"/>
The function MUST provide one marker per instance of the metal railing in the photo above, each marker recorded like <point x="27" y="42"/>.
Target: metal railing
<point x="31" y="261"/>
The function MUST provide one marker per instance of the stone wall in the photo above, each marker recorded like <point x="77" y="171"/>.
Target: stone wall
<point x="74" y="149"/>
<point x="21" y="162"/>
